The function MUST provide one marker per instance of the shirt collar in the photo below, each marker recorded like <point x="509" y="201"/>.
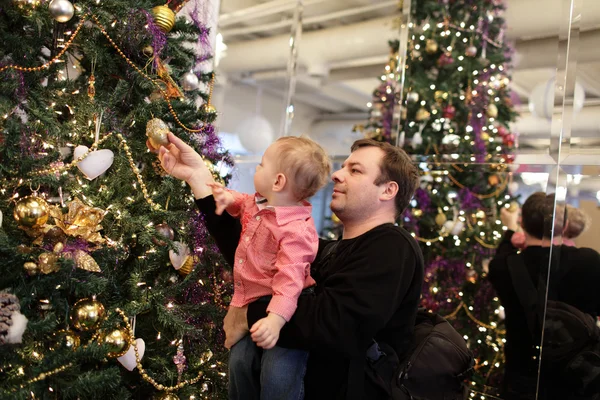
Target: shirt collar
<point x="284" y="215"/>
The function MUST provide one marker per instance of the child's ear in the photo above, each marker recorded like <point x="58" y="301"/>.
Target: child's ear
<point x="280" y="182"/>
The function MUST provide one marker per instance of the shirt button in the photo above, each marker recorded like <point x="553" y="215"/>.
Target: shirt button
<point x="247" y="238"/>
<point x="258" y="217"/>
<point x="237" y="284"/>
<point x="241" y="261"/>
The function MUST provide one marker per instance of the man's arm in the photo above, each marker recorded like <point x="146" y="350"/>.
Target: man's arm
<point x="225" y="229"/>
<point x="355" y="302"/>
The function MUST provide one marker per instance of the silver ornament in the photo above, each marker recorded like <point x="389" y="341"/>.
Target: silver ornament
<point x="189" y="81"/>
<point x="412" y="97"/>
<point x="61" y="10"/>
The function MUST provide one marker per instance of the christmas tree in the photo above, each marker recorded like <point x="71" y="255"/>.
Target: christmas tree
<point x="103" y="254"/>
<point x="454" y="120"/>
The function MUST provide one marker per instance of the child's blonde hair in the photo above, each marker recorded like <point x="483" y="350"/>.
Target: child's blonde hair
<point x="305" y="164"/>
<point x="577" y="222"/>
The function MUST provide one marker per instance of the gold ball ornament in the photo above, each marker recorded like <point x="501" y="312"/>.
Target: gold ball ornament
<point x="65" y="339"/>
<point x="157" y="131"/>
<point x="431" y="46"/>
<point x="422" y="114"/>
<point x="214" y="172"/>
<point x="164" y="18"/>
<point x="441" y="219"/>
<point x="513" y="206"/>
<point x="208" y="109"/>
<point x="61" y="10"/>
<point x="27" y="6"/>
<point x="485" y="136"/>
<point x="493" y="180"/>
<point x="87" y="314"/>
<point x="477" y="217"/>
<point x="31" y="211"/>
<point x="117" y="341"/>
<point x="492" y="111"/>
<point x="164" y="231"/>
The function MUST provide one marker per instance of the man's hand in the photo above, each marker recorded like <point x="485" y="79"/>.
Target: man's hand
<point x="181" y="161"/>
<point x="235" y="325"/>
<point x="223" y="198"/>
<point x="510" y="219"/>
<point x="265" y="332"/>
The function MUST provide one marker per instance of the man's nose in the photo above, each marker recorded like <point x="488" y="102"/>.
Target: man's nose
<point x="337" y="176"/>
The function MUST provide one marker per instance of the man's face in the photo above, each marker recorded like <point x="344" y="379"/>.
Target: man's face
<point x="354" y="192"/>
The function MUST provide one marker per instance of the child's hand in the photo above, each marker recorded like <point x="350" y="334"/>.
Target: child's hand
<point x="223" y="198"/>
<point x="265" y="332"/>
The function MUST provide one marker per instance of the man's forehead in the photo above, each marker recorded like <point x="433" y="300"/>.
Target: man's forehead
<point x="366" y="156"/>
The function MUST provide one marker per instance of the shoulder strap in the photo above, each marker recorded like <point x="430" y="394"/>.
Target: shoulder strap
<point x="526" y="292"/>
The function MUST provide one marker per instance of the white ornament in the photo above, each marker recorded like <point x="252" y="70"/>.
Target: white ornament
<point x="541" y="100"/>
<point x="128" y="359"/>
<point x="61" y="10"/>
<point x="454" y="227"/>
<point x="513" y="187"/>
<point x="1" y="217"/>
<point x="178" y="258"/>
<point x="501" y="314"/>
<point x="256" y="134"/>
<point x="16" y="330"/>
<point x="189" y="81"/>
<point x="96" y="163"/>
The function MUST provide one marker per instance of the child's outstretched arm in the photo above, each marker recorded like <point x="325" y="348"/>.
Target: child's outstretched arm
<point x="223" y="198"/>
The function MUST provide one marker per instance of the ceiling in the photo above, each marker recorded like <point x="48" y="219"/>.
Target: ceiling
<point x="344" y="47"/>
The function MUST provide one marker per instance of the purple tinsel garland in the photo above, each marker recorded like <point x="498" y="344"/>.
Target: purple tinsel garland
<point x="204" y="48"/>
<point x="423" y="200"/>
<point x="159" y="38"/>
<point x="468" y="201"/>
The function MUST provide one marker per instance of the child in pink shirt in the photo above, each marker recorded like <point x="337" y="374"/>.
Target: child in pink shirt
<point x="277" y="245"/>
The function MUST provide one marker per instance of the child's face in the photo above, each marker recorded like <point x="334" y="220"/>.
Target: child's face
<point x="266" y="172"/>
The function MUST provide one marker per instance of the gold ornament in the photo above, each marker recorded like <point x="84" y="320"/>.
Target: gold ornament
<point x="431" y="46"/>
<point x="48" y="263"/>
<point x="208" y="109"/>
<point x="61" y="10"/>
<point x="441" y="219"/>
<point x="87" y="314"/>
<point x="422" y="114"/>
<point x="164" y="18"/>
<point x="514" y="206"/>
<point x="485" y="136"/>
<point x="157" y="131"/>
<point x="80" y="221"/>
<point x="477" y="217"/>
<point x="65" y="339"/>
<point x="31" y="268"/>
<point x="117" y="341"/>
<point x="187" y="267"/>
<point x="492" y="111"/>
<point x="417" y="212"/>
<point x="27" y="6"/>
<point x="493" y="180"/>
<point x="171" y="90"/>
<point x="31" y="211"/>
<point x="440" y="96"/>
<point x="85" y="262"/>
<point x="472" y="275"/>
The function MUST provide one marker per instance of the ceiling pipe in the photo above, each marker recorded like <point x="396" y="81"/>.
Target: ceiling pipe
<point x="261" y="10"/>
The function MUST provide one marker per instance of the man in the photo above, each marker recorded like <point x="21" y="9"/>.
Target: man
<point x="368" y="287"/>
<point x="576" y="277"/>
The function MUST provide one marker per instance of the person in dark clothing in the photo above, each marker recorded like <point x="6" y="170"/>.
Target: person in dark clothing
<point x="578" y="275"/>
<point x="369" y="288"/>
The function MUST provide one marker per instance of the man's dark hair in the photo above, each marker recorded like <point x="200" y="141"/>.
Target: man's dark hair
<point x="537" y="216"/>
<point x="395" y="166"/>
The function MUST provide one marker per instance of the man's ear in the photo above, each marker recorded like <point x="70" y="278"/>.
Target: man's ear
<point x="280" y="182"/>
<point x="390" y="190"/>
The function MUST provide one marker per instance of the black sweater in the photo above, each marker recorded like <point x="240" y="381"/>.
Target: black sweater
<point x="578" y="274"/>
<point x="370" y="289"/>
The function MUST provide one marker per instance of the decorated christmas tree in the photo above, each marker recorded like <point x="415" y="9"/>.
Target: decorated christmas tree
<point x="109" y="286"/>
<point x="455" y="122"/>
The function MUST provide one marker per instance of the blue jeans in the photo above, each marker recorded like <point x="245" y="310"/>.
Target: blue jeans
<point x="274" y="374"/>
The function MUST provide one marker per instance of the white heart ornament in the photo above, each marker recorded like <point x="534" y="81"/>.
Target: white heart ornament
<point x="128" y="359"/>
<point x="96" y="163"/>
<point x="178" y="258"/>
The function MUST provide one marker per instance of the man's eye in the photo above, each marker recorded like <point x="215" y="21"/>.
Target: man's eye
<point x="354" y="170"/>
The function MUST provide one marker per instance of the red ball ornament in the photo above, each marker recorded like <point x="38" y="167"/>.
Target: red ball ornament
<point x="509" y="140"/>
<point x="445" y="60"/>
<point x="449" y="112"/>
<point x="502" y="131"/>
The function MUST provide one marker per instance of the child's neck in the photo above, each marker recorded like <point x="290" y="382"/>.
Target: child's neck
<point x="282" y="200"/>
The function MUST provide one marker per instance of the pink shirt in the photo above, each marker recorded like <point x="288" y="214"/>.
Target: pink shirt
<point x="273" y="256"/>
